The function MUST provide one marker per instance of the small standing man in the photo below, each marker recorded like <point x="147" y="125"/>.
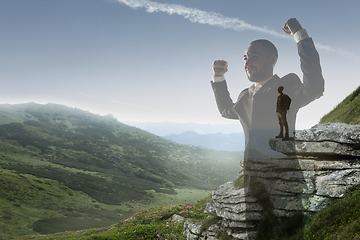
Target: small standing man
<point x="282" y="106"/>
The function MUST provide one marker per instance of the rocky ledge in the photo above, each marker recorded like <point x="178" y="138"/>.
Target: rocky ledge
<point x="322" y="163"/>
<point x="322" y="140"/>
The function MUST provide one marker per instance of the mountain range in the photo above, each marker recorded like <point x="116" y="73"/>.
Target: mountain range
<point x="63" y="166"/>
<point x="167" y="128"/>
<point x="217" y="141"/>
<point x="228" y="137"/>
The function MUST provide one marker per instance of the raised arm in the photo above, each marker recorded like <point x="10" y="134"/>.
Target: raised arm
<point x="313" y="81"/>
<point x="222" y="95"/>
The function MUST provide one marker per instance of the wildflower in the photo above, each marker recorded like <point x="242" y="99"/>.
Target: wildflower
<point x="130" y="218"/>
<point x="135" y="231"/>
<point x="191" y="211"/>
<point x="126" y="220"/>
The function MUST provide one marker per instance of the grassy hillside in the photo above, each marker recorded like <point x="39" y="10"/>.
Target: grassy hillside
<point x="348" y="111"/>
<point x="340" y="220"/>
<point x="150" y="224"/>
<point x="25" y="198"/>
<point x="62" y="165"/>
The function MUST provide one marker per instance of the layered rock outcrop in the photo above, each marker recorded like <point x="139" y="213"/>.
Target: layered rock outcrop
<point x="321" y="164"/>
<point x="323" y="141"/>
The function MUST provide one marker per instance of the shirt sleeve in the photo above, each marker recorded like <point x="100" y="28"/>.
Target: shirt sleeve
<point x="218" y="78"/>
<point x="300" y="35"/>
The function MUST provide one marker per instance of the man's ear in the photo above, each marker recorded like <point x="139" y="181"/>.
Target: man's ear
<point x="273" y="60"/>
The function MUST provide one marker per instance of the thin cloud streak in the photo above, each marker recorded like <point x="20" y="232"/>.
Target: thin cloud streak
<point x="341" y="51"/>
<point x="215" y="19"/>
<point x="199" y="16"/>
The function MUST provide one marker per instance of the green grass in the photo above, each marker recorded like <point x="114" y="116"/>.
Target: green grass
<point x="348" y="111"/>
<point x="340" y="220"/>
<point x="32" y="205"/>
<point x="149" y="224"/>
<point x="27" y="159"/>
<point x="26" y="200"/>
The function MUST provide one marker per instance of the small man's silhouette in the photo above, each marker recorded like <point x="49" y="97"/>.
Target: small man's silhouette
<point x="282" y="106"/>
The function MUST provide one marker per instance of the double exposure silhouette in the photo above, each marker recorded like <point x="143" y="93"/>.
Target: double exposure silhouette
<point x="256" y="109"/>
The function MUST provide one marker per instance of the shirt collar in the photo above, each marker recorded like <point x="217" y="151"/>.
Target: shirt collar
<point x="256" y="86"/>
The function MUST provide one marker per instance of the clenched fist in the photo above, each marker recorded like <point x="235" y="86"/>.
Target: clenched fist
<point x="291" y="26"/>
<point x="220" y="67"/>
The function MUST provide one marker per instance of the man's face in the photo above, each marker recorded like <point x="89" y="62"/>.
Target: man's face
<point x="259" y="63"/>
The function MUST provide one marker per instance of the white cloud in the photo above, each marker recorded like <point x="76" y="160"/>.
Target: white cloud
<point x="199" y="16"/>
<point x="341" y="51"/>
<point x="216" y="19"/>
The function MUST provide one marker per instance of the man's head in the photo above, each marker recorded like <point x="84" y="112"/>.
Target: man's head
<point x="280" y="89"/>
<point x="260" y="58"/>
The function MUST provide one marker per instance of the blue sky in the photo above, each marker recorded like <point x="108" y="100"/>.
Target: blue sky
<point x="154" y="62"/>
